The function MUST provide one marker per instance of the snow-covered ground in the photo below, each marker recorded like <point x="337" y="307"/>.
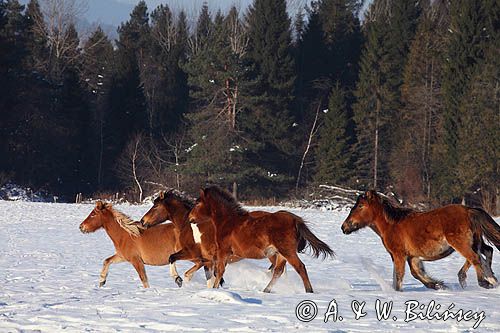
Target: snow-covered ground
<point x="49" y="275"/>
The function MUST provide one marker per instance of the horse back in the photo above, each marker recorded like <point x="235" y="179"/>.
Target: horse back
<point x="266" y="227"/>
<point x="157" y="243"/>
<point x="434" y="226"/>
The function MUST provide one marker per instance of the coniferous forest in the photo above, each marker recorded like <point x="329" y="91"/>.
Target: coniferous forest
<point x="404" y="97"/>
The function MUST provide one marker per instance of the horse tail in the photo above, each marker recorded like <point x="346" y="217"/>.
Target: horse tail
<point x="306" y="239"/>
<point x="484" y="224"/>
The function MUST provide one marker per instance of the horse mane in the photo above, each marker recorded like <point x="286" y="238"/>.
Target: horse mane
<point x="394" y="213"/>
<point x="130" y="226"/>
<point x="187" y="201"/>
<point x="225" y="198"/>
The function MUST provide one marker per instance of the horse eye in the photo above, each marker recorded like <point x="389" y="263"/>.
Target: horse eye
<point x="360" y="206"/>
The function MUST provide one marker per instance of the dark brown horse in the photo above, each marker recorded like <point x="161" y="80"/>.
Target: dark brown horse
<point x="414" y="236"/>
<point x="132" y="242"/>
<point x="240" y="234"/>
<point x="196" y="240"/>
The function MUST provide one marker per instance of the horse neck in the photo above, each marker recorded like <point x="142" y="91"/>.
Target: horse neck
<point x="224" y="216"/>
<point x="179" y="217"/>
<point x="113" y="229"/>
<point x="380" y="224"/>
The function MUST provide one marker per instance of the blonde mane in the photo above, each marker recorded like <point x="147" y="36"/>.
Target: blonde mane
<point x="132" y="227"/>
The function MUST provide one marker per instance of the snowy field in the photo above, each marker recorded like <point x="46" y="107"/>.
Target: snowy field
<point x="49" y="273"/>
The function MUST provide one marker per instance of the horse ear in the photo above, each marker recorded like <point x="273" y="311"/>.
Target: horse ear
<point x="371" y="195"/>
<point x="99" y="205"/>
<point x="162" y="195"/>
<point x="202" y="194"/>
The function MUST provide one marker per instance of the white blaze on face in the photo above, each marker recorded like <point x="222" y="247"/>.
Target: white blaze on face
<point x="196" y="233"/>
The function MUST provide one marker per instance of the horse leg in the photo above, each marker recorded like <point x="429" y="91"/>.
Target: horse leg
<point x="139" y="267"/>
<point x="189" y="273"/>
<point x="487" y="251"/>
<point x="418" y="271"/>
<point x="273" y="260"/>
<point x="462" y="274"/>
<point x="176" y="256"/>
<point x="399" y="272"/>
<point x="220" y="268"/>
<point x="209" y="275"/>
<point x="115" y="258"/>
<point x="174" y="274"/>
<point x="294" y="260"/>
<point x="279" y="266"/>
<point x="474" y="259"/>
<point x="488" y="254"/>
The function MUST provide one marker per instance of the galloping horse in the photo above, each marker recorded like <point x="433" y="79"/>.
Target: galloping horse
<point x="196" y="241"/>
<point x="238" y="233"/>
<point x="414" y="236"/>
<point x="132" y="242"/>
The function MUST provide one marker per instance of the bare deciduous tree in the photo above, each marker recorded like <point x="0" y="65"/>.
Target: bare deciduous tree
<point x="131" y="162"/>
<point x="58" y="17"/>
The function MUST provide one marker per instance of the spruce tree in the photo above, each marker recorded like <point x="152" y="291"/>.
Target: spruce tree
<point x="342" y="38"/>
<point x="464" y="52"/>
<point x="219" y="91"/>
<point x="332" y="155"/>
<point x="165" y="83"/>
<point x="36" y="40"/>
<point x="72" y="116"/>
<point x="97" y="76"/>
<point x="12" y="54"/>
<point x="388" y="26"/>
<point x="479" y="132"/>
<point x="269" y="120"/>
<point x="417" y="145"/>
<point x="127" y="95"/>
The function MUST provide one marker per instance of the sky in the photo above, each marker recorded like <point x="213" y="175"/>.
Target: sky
<point x="116" y="11"/>
<point x="110" y="13"/>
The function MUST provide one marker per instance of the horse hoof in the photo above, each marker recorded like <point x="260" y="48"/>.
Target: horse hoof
<point x="222" y="282"/>
<point x="102" y="283"/>
<point x="178" y="280"/>
<point x="485" y="284"/>
<point x="462" y="280"/>
<point x="267" y="290"/>
<point x="441" y="286"/>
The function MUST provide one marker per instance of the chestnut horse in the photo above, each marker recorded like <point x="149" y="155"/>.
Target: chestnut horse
<point x="239" y="233"/>
<point x="132" y="242"/>
<point x="196" y="240"/>
<point x="414" y="236"/>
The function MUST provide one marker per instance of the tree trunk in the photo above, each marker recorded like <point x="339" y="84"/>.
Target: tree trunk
<point x="134" y="170"/>
<point x="101" y="151"/>
<point x="235" y="190"/>
<point x="311" y="135"/>
<point x="375" y="152"/>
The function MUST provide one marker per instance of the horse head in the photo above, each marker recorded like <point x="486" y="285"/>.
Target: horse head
<point x="96" y="218"/>
<point x="201" y="210"/>
<point x="160" y="211"/>
<point x="362" y="214"/>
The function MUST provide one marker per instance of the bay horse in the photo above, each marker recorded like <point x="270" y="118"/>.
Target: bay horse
<point x="237" y="232"/>
<point x="132" y="242"/>
<point x="196" y="240"/>
<point x="413" y="236"/>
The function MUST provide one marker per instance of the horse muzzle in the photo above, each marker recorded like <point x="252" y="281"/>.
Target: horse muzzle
<point x="83" y="230"/>
<point x="347" y="227"/>
<point x="145" y="224"/>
